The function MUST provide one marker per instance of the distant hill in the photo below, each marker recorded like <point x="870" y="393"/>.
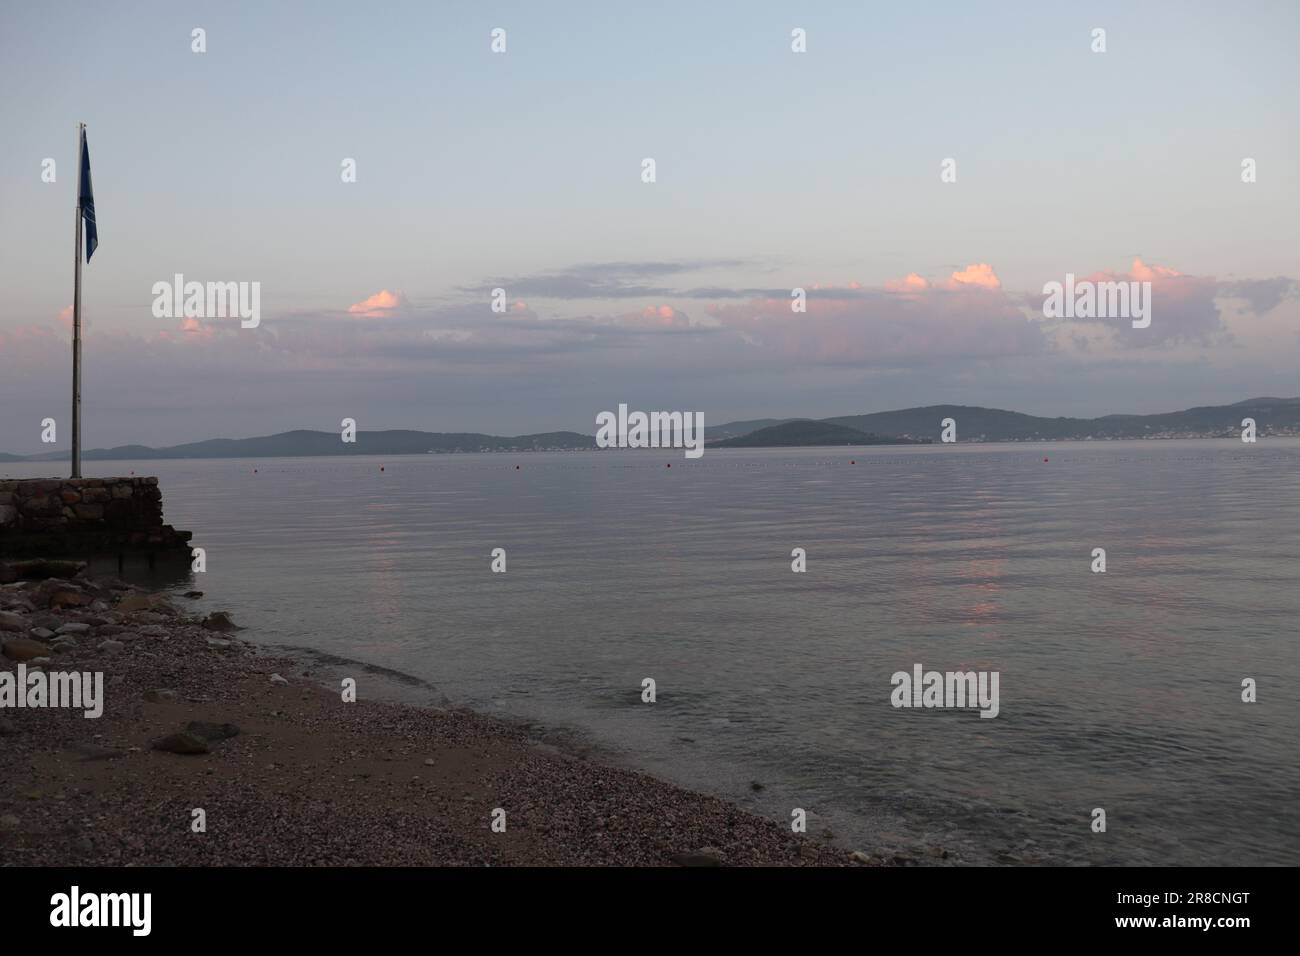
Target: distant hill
<point x="805" y="432"/>
<point x="734" y="429"/>
<point x="312" y="443"/>
<point x="1273" y="416"/>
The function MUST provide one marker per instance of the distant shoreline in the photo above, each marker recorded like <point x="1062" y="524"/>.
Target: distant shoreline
<point x="660" y="451"/>
<point x="1272" y="417"/>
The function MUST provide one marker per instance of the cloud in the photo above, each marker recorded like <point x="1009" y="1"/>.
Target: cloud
<point x="379" y="305"/>
<point x="979" y="275"/>
<point x="967" y="316"/>
<point x="1262" y="295"/>
<point x="604" y="280"/>
<point x="1183" y="309"/>
<point x="909" y="283"/>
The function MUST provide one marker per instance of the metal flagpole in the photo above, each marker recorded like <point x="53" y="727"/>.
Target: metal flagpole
<point x="76" y="320"/>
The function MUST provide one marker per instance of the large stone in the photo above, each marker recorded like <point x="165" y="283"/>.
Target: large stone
<point x="706" y="856"/>
<point x="25" y="649"/>
<point x="137" y="602"/>
<point x="211" y="732"/>
<point x="181" y="743"/>
<point x="13" y="622"/>
<point x="220" y="621"/>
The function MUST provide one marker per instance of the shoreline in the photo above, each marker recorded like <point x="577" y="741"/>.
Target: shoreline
<point x="288" y="773"/>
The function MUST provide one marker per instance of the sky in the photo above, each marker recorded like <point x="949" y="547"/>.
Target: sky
<point x="773" y="170"/>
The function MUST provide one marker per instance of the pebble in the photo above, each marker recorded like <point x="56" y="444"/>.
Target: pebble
<point x="111" y="646"/>
<point x="211" y="732"/>
<point x="277" y="679"/>
<point x="182" y="743"/>
<point x="24" y="649"/>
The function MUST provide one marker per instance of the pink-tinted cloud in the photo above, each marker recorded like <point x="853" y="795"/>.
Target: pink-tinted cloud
<point x="909" y="283"/>
<point x="968" y="316"/>
<point x="379" y="305"/>
<point x="979" y="275"/>
<point x="663" y="316"/>
<point x="1145" y="273"/>
<point x="1183" y="308"/>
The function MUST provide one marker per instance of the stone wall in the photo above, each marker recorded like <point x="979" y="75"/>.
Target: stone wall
<point x="85" y="517"/>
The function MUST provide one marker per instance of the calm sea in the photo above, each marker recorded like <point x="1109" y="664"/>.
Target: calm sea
<point x="1119" y="690"/>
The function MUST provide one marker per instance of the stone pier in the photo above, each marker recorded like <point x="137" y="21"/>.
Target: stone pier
<point x="89" y="519"/>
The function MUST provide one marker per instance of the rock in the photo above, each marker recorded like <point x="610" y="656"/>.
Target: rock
<point x="73" y="627"/>
<point x="755" y="786"/>
<point x="9" y="822"/>
<point x="220" y="644"/>
<point x="277" y="679"/>
<point x="135" y="602"/>
<point x="111" y="646"/>
<point x="38" y="569"/>
<point x="707" y="856"/>
<point x="857" y="856"/>
<point x="38" y="662"/>
<point x="182" y="743"/>
<point x="808" y="851"/>
<point x="25" y="649"/>
<point x="69" y="599"/>
<point x="193" y="595"/>
<point x="220" y="621"/>
<point x="94" y="752"/>
<point x="42" y="633"/>
<point x="160" y="695"/>
<point x="13" y="622"/>
<point x="430" y="762"/>
<point x="211" y="732"/>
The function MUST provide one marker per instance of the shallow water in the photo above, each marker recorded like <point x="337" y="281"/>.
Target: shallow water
<point x="1118" y="690"/>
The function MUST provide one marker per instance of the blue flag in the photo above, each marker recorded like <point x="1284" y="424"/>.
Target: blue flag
<point x="86" y="200"/>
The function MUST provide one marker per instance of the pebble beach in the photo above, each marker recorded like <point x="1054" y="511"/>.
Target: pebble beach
<point x="211" y="752"/>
